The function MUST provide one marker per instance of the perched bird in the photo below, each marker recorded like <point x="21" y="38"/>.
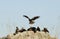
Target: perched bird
<point x="32" y="29"/>
<point x="45" y="30"/>
<point x="16" y="31"/>
<point x="22" y="30"/>
<point x="38" y="29"/>
<point x="31" y="21"/>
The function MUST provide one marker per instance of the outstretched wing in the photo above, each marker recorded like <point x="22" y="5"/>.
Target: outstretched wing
<point x="36" y="17"/>
<point x="26" y="16"/>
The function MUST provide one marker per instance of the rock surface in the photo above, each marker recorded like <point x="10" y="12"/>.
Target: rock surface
<point x="30" y="35"/>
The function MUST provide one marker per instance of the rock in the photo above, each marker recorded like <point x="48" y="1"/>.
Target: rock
<point x="31" y="35"/>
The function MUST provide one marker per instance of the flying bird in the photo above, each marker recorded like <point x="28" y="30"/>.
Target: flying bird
<point x="31" y="21"/>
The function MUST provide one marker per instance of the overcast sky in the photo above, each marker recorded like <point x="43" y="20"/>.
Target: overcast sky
<point x="12" y="11"/>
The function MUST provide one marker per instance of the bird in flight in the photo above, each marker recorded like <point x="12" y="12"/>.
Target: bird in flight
<point x="31" y="21"/>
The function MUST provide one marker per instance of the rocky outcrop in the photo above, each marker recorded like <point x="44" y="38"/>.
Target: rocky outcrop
<point x="31" y="35"/>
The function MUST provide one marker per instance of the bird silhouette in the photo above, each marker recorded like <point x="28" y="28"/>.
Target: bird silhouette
<point x="38" y="29"/>
<point x="31" y="21"/>
<point x="17" y="30"/>
<point x="45" y="30"/>
<point x="32" y="29"/>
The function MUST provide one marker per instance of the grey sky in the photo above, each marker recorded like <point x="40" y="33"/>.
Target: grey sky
<point x="12" y="11"/>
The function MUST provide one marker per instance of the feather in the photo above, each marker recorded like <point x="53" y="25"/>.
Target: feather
<point x="36" y="17"/>
<point x="26" y="16"/>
